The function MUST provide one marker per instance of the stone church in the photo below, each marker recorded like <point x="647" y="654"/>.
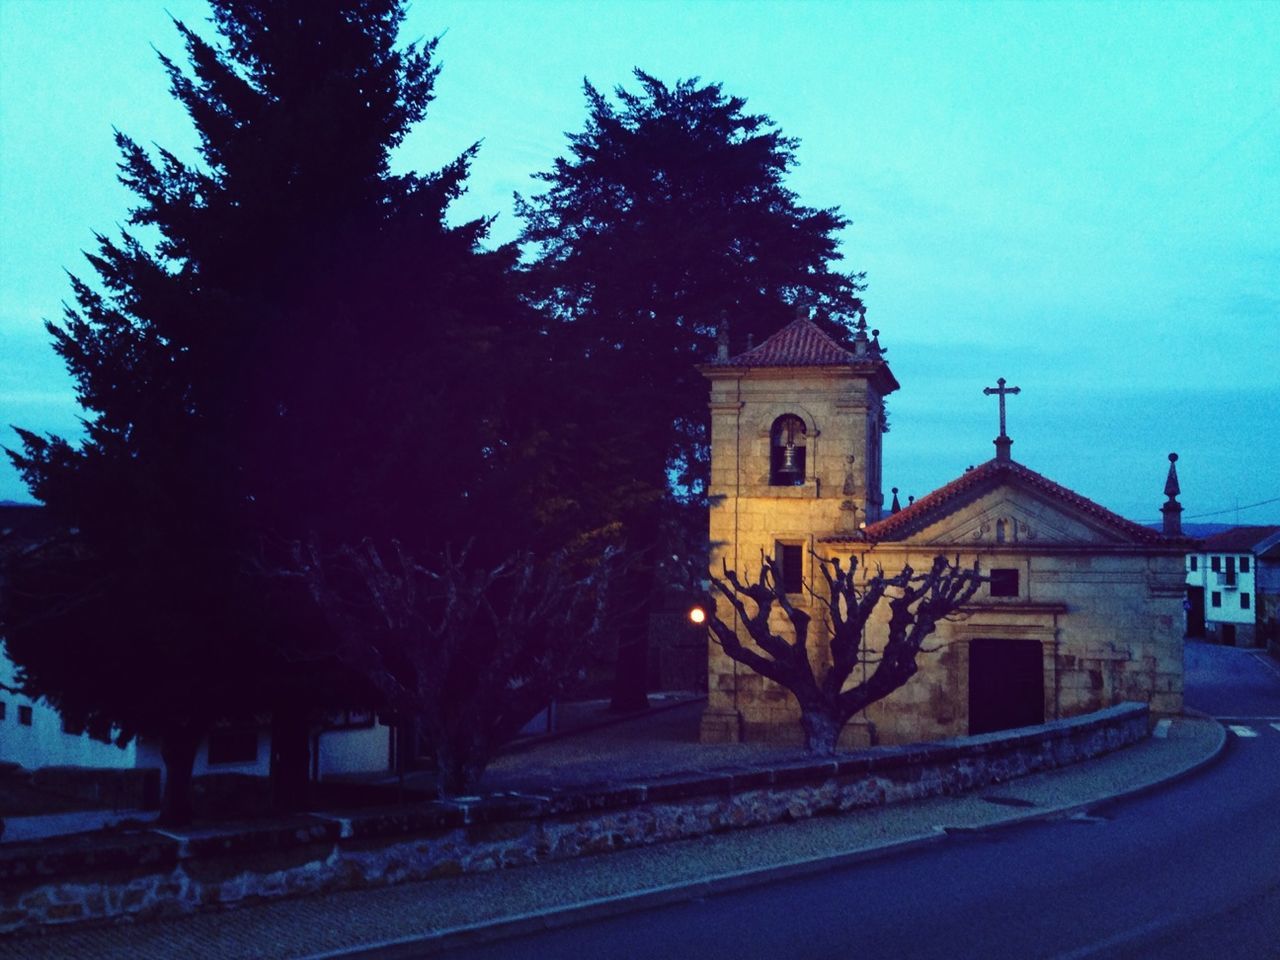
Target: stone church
<point x="1083" y="609"/>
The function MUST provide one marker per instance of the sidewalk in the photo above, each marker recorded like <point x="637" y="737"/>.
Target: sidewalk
<point x="40" y="826"/>
<point x="419" y="918"/>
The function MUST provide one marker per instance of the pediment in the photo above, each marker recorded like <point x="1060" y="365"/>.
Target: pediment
<point x="1012" y="516"/>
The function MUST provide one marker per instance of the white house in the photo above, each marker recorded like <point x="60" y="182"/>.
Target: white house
<point x="349" y="742"/>
<point x="32" y="733"/>
<point x="1224" y="580"/>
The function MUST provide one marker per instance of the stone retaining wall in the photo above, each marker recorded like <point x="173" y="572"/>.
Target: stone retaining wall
<point x="97" y="877"/>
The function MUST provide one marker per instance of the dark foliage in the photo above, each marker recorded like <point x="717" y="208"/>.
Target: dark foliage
<point x="287" y="342"/>
<point x="668" y="215"/>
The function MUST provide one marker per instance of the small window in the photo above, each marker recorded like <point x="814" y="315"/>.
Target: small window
<point x="1244" y="564"/>
<point x="1194" y="561"/>
<point x="791" y="559"/>
<point x="1215" y="564"/>
<point x="787" y="452"/>
<point x="2" y="709"/>
<point x="1231" y="565"/>
<point x="24" y="715"/>
<point x="1216" y="599"/>
<point x="1244" y="601"/>
<point x="233" y="746"/>
<point x="1004" y="582"/>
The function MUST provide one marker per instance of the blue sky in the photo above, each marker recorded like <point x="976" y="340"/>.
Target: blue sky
<point x="1082" y="198"/>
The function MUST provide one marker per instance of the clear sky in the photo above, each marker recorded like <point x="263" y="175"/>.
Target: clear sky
<point x="1083" y="198"/>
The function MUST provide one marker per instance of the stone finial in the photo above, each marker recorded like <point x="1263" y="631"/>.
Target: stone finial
<point x="722" y="338"/>
<point x="802" y="311"/>
<point x="861" y="343"/>
<point x="1172" y="509"/>
<point x="1171" y="488"/>
<point x="875" y="348"/>
<point x="895" y="506"/>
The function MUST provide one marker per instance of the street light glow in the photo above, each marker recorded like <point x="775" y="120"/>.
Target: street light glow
<point x="697" y="615"/>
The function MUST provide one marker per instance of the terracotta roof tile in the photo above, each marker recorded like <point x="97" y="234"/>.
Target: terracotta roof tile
<point x="969" y="485"/>
<point x="799" y="344"/>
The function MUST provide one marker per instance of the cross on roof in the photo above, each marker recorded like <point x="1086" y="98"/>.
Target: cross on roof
<point x="1001" y="391"/>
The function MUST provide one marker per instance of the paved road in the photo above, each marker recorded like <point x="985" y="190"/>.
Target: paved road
<point x="1190" y="871"/>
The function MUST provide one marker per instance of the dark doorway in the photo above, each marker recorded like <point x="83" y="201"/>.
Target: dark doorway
<point x="1229" y="634"/>
<point x="1195" y="611"/>
<point x="1006" y="684"/>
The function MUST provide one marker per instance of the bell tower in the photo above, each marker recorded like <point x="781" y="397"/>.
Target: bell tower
<point x="797" y="425"/>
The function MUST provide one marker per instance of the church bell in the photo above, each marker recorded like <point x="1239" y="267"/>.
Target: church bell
<point x="789" y="459"/>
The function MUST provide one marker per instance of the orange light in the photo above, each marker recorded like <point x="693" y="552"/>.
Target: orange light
<point x="697" y="615"/>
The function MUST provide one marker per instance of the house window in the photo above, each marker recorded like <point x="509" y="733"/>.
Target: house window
<point x="233" y="746"/>
<point x="1004" y="582"/>
<point x="1244" y="601"/>
<point x="24" y="715"/>
<point x="1193" y="561"/>
<point x="787" y="452"/>
<point x="790" y="558"/>
<point x="1215" y="564"/>
<point x="1244" y="564"/>
<point x="1216" y="599"/>
<point x="2" y="708"/>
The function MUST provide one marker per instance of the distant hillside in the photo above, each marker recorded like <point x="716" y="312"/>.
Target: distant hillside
<point x="1197" y="529"/>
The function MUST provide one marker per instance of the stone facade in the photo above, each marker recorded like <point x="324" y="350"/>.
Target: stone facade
<point x="1101" y="596"/>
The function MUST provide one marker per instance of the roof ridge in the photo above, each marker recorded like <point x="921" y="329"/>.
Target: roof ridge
<point x="800" y="343"/>
<point x="898" y="524"/>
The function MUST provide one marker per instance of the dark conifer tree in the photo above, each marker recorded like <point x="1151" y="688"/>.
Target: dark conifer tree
<point x="669" y="213"/>
<point x="288" y="342"/>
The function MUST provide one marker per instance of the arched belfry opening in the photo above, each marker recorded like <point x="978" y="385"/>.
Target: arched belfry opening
<point x="787" y="451"/>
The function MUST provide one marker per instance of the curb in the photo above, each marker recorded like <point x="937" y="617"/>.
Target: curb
<point x="1089" y="806"/>
<point x="586" y="911"/>
<point x="438" y="941"/>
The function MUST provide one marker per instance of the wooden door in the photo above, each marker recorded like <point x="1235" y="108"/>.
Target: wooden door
<point x="1006" y="684"/>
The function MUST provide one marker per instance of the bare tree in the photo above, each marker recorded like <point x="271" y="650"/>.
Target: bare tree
<point x="472" y="652"/>
<point x="917" y="601"/>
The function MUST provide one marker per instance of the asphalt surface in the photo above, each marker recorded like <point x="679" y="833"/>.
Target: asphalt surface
<point x="1189" y="871"/>
<point x="931" y="878"/>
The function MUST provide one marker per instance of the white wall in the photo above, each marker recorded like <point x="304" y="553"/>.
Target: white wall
<point x="1204" y="576"/>
<point x="43" y="744"/>
<point x="355" y="751"/>
<point x="149" y="756"/>
<point x="363" y="750"/>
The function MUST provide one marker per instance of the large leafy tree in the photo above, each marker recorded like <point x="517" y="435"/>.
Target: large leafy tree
<point x="669" y="215"/>
<point x="288" y="341"/>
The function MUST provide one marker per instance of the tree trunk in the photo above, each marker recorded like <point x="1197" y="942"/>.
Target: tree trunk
<point x="290" y="760"/>
<point x="634" y="596"/>
<point x="178" y="748"/>
<point x="821" y="731"/>
<point x="461" y="764"/>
